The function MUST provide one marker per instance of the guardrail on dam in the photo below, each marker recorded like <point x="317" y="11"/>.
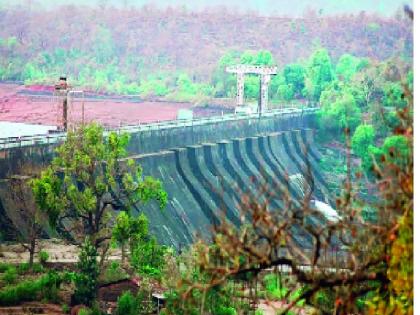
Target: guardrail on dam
<point x="202" y="164"/>
<point x="154" y="137"/>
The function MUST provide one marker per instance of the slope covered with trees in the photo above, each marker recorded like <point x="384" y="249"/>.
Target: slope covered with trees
<point x="150" y="51"/>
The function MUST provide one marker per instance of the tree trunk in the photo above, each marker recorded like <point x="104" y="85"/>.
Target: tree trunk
<point x="122" y="254"/>
<point x="32" y="247"/>
<point x="103" y="255"/>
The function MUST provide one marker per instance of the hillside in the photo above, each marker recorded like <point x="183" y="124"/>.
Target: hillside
<point x="139" y="41"/>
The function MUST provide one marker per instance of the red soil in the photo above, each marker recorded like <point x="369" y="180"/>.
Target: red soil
<point x="45" y="110"/>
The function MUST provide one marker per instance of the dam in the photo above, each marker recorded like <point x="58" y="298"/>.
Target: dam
<point x="205" y="165"/>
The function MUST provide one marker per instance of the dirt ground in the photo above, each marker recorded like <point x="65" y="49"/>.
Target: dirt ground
<point x="58" y="250"/>
<point x="37" y="106"/>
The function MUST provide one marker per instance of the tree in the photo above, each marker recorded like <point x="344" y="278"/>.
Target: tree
<point x="90" y="178"/>
<point x="31" y="227"/>
<point x="263" y="58"/>
<point x="128" y="229"/>
<point x="397" y="149"/>
<point x="339" y="111"/>
<point x="252" y="86"/>
<point x="294" y="75"/>
<point x="347" y="66"/>
<point x="319" y="74"/>
<point x="394" y="95"/>
<point x="86" y="280"/>
<point x="285" y="92"/>
<point x="121" y="232"/>
<point x="363" y="137"/>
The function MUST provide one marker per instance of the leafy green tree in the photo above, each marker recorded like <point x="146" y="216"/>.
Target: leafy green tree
<point x="263" y="58"/>
<point x="121" y="232"/>
<point x="147" y="256"/>
<point x="285" y="92"/>
<point x="397" y="150"/>
<point x="225" y="83"/>
<point x="86" y="280"/>
<point x="127" y="304"/>
<point x="294" y="75"/>
<point x="128" y="229"/>
<point x="339" y="111"/>
<point x="252" y="86"/>
<point x="247" y="58"/>
<point x="363" y="137"/>
<point x="394" y="95"/>
<point x="347" y="66"/>
<point x="319" y="74"/>
<point x="89" y="178"/>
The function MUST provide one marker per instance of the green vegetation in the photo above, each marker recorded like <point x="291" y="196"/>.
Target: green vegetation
<point x="87" y="277"/>
<point x="319" y="74"/>
<point x="43" y="257"/>
<point x="46" y="287"/>
<point x="127" y="304"/>
<point x="80" y="178"/>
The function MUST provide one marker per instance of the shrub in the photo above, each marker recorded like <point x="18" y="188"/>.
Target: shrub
<point x="273" y="287"/>
<point x="86" y="279"/>
<point x="363" y="137"/>
<point x="223" y="310"/>
<point x="114" y="273"/>
<point x="85" y="311"/>
<point x="10" y="275"/>
<point x="4" y="267"/>
<point x="43" y="257"/>
<point x="23" y="268"/>
<point x="147" y="257"/>
<point x="127" y="304"/>
<point x="37" y="268"/>
<point x="45" y="287"/>
<point x="65" y="308"/>
<point x="338" y="111"/>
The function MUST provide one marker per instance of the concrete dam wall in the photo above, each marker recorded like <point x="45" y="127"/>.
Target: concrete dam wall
<point x="205" y="180"/>
<point x="205" y="167"/>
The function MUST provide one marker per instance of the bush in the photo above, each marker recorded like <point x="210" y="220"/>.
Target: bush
<point x="363" y="137"/>
<point x="127" y="304"/>
<point x="4" y="267"/>
<point x="397" y="150"/>
<point x="45" y="287"/>
<point x="10" y="275"/>
<point x="114" y="273"/>
<point x="37" y="268"/>
<point x="87" y="278"/>
<point x="43" y="257"/>
<point x="65" y="308"/>
<point x="147" y="257"/>
<point x="23" y="268"/>
<point x="338" y="111"/>
<point x="85" y="311"/>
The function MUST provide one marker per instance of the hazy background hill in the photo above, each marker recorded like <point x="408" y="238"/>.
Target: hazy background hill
<point x="108" y="47"/>
<point x="265" y="7"/>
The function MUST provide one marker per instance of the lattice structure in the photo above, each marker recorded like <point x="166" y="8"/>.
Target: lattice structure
<point x="64" y="97"/>
<point x="265" y="73"/>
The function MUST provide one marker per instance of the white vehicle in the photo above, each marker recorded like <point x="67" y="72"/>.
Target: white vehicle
<point x="245" y="110"/>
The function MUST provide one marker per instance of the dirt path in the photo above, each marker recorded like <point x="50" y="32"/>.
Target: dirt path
<point x="59" y="252"/>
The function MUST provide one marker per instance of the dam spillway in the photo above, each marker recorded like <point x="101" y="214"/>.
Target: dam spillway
<point x="204" y="180"/>
<point x="205" y="166"/>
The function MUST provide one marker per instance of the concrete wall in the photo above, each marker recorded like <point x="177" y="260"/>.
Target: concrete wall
<point x="206" y="181"/>
<point x="204" y="167"/>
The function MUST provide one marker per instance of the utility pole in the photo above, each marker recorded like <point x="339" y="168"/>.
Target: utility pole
<point x="62" y="89"/>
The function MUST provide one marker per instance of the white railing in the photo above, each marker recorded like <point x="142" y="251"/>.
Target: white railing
<point x="52" y="138"/>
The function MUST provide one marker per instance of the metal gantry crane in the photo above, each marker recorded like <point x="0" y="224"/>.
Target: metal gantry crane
<point x="265" y="73"/>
